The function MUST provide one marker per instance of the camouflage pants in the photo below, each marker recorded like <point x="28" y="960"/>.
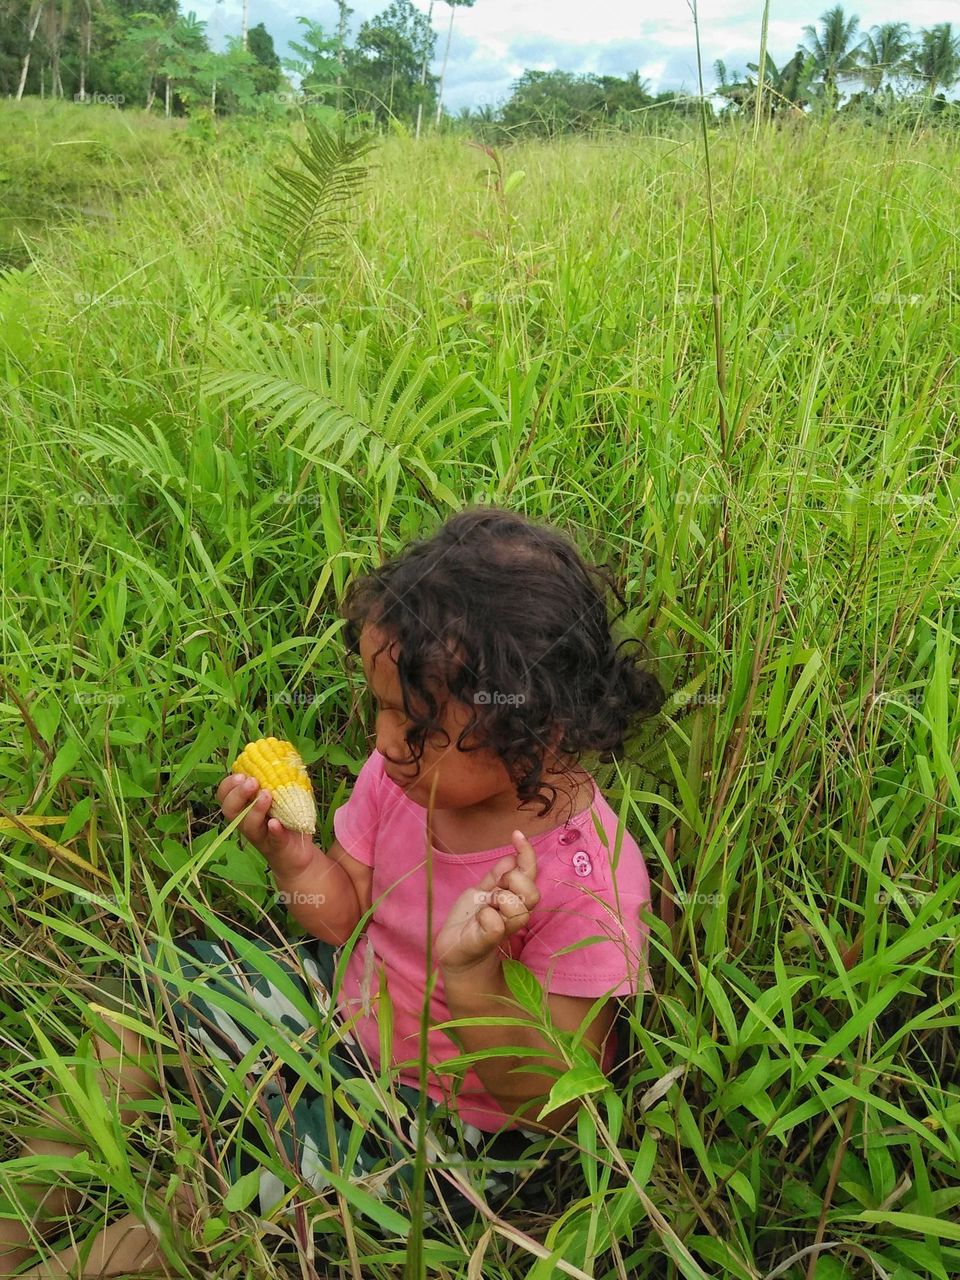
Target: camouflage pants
<point x="510" y="1170"/>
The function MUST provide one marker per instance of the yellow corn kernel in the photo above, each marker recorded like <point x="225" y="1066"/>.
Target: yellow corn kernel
<point x="278" y="768"/>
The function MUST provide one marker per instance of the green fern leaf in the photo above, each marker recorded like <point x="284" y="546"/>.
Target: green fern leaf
<point x="304" y="214"/>
<point x="680" y="699"/>
<point x="332" y="406"/>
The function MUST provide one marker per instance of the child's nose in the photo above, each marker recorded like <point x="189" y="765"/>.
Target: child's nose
<point x="388" y="743"/>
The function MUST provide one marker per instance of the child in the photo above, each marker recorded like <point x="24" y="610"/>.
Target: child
<point x="488" y="654"/>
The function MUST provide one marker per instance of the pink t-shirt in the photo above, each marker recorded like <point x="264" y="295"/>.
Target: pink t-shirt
<point x="384" y="829"/>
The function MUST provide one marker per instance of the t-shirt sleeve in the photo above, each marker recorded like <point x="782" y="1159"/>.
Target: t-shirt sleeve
<point x="612" y="962"/>
<point x="355" y="823"/>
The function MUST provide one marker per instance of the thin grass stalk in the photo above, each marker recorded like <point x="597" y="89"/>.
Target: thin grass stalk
<point x="714" y="267"/>
<point x="415" y="1265"/>
<point x="758" y="105"/>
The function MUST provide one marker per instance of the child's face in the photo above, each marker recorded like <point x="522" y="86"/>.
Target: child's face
<point x="463" y="778"/>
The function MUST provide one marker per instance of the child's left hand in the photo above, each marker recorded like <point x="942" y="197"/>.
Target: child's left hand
<point x="483" y="917"/>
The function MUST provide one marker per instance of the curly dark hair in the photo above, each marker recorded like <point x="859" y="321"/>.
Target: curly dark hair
<point x="504" y="615"/>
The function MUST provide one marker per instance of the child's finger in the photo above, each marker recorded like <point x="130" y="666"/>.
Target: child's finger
<point x="254" y="825"/>
<point x="478" y="935"/>
<point x="229" y="783"/>
<point x="490" y="925"/>
<point x="232" y="795"/>
<point x="236" y="798"/>
<point x="521" y="885"/>
<point x="511" y="905"/>
<point x="499" y="868"/>
<point x="526" y="857"/>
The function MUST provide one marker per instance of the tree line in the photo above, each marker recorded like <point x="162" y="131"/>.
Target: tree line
<point x="147" y="54"/>
<point x="886" y="69"/>
<point x="889" y="63"/>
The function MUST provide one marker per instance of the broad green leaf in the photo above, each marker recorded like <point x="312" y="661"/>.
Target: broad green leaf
<point x="523" y="985"/>
<point x="243" y="1191"/>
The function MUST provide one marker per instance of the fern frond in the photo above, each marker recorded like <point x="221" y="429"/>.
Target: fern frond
<point x="679" y="700"/>
<point x="304" y="214"/>
<point x="332" y="407"/>
<point x="653" y="759"/>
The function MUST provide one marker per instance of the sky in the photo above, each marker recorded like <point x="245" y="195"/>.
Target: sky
<point x="495" y="41"/>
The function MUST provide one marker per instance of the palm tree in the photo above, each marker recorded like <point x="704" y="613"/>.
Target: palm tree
<point x="835" y="55"/>
<point x="936" y="60"/>
<point x="787" y="87"/>
<point x="793" y="80"/>
<point x="784" y="89"/>
<point x="884" y="53"/>
<point x="467" y="4"/>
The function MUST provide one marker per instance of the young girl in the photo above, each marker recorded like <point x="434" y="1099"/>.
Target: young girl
<point x="488" y="654"/>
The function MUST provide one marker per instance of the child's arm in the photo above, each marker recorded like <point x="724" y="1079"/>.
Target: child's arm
<point x="483" y="993"/>
<point x="326" y="893"/>
<point x="329" y="895"/>
<point x="469" y="958"/>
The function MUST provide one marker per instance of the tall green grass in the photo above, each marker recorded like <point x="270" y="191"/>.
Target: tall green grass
<point x="199" y="451"/>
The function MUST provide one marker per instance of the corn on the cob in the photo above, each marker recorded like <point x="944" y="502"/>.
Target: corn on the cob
<point x="277" y="767"/>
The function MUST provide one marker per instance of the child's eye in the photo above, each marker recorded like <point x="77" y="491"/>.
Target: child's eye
<point x="387" y="708"/>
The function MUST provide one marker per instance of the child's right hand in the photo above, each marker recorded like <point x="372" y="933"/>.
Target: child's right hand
<point x="288" y="852"/>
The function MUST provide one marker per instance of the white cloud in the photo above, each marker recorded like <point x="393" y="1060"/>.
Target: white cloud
<point x="493" y="41"/>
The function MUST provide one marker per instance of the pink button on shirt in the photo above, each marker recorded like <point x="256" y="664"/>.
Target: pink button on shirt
<point x="382" y="828"/>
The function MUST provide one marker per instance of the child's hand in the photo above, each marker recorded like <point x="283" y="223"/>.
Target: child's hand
<point x="288" y="852"/>
<point x="486" y="915"/>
